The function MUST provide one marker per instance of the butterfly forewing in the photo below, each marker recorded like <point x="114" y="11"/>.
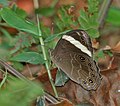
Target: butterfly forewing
<point x="82" y="37"/>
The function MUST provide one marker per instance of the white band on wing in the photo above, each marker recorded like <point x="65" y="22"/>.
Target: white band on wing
<point x="77" y="44"/>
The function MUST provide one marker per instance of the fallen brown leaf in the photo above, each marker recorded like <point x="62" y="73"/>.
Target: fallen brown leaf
<point x="116" y="48"/>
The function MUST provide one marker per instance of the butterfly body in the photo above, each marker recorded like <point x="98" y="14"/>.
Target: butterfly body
<point x="73" y="55"/>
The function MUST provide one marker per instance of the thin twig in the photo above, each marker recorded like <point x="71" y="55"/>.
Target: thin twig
<point x="17" y="74"/>
<point x="103" y="12"/>
<point x="12" y="70"/>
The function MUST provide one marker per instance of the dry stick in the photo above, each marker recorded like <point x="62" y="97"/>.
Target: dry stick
<point x="103" y="11"/>
<point x="43" y="49"/>
<point x="14" y="72"/>
<point x="11" y="70"/>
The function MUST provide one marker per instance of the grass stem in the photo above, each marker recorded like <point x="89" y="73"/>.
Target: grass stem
<point x="45" y="57"/>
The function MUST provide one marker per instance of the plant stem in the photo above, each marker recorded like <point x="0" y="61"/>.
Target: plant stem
<point x="4" y="79"/>
<point x="36" y="5"/>
<point x="45" y="57"/>
<point x="103" y="11"/>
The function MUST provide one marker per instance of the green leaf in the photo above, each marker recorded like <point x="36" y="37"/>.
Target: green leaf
<point x="83" y="23"/>
<point x="7" y="34"/>
<point x="99" y="54"/>
<point x="4" y="52"/>
<point x="113" y="16"/>
<point x="52" y="37"/>
<point x="88" y="19"/>
<point x="21" y="13"/>
<point x="84" y="16"/>
<point x="45" y="30"/>
<point x="19" y="91"/>
<point x="17" y="22"/>
<point x="108" y="52"/>
<point x="61" y="78"/>
<point x="46" y="11"/>
<point x="18" y="66"/>
<point x="93" y="6"/>
<point x="23" y="40"/>
<point x="93" y="33"/>
<point x="64" y="20"/>
<point x="29" y="57"/>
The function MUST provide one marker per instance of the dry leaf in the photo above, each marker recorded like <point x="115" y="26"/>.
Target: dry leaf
<point x="116" y="48"/>
<point x="95" y="44"/>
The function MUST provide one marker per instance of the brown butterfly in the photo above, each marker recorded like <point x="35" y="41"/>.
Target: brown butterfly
<point x="73" y="54"/>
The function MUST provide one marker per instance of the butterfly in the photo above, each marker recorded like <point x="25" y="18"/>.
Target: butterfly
<point x="73" y="54"/>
